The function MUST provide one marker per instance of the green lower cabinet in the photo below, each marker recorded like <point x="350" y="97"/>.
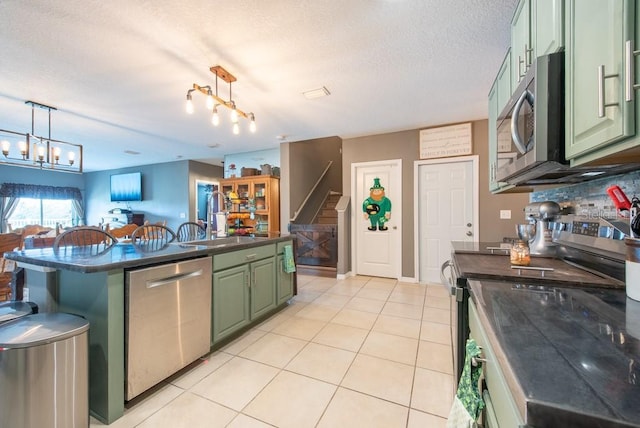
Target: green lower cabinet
<point x="230" y="301"/>
<point x="263" y="290"/>
<point x="284" y="281"/>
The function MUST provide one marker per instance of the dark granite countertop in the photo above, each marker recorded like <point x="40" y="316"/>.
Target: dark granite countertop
<point x="575" y="352"/>
<point x="498" y="267"/>
<point x="127" y="255"/>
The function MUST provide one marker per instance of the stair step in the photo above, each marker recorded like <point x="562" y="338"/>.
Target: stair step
<point x="329" y="213"/>
<point x="326" y="220"/>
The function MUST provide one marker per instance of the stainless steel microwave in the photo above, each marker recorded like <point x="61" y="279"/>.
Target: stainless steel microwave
<point x="530" y="128"/>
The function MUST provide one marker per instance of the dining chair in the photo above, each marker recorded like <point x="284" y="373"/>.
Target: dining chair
<point x="190" y="231"/>
<point x="8" y="242"/>
<point x="123" y="232"/>
<point x="85" y="240"/>
<point x="149" y="232"/>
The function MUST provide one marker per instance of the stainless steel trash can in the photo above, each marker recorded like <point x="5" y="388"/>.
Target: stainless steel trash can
<point x="44" y="371"/>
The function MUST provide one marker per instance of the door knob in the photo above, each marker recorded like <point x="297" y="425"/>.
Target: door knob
<point x="468" y="224"/>
<point x="469" y="233"/>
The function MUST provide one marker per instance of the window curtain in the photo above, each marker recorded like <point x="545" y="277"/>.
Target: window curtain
<point x="11" y="192"/>
<point x="7" y="207"/>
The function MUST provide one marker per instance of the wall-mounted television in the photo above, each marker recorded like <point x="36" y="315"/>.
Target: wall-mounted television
<point x="126" y="187"/>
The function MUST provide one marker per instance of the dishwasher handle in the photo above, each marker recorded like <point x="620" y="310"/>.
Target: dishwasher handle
<point x="173" y="278"/>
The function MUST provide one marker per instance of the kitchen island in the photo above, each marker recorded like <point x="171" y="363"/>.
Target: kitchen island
<point x="94" y="287"/>
<point x="570" y="356"/>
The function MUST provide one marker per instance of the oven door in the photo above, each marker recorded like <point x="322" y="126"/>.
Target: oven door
<point x="458" y="306"/>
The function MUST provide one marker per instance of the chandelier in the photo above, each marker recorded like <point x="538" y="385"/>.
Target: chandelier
<point x="32" y="151"/>
<point x="213" y="101"/>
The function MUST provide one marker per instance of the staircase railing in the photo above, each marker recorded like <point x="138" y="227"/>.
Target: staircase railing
<point x="311" y="193"/>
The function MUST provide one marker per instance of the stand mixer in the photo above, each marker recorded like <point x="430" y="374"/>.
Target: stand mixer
<point x="542" y="214"/>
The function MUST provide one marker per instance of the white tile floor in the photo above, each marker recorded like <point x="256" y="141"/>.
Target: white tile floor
<point x="360" y="352"/>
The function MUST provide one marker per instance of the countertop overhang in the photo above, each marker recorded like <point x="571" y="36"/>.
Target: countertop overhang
<point x="127" y="255"/>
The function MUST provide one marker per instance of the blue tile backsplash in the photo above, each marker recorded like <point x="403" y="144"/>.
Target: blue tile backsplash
<point x="591" y="198"/>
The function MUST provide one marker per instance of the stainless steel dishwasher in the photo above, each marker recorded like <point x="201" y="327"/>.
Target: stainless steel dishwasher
<point x="168" y="321"/>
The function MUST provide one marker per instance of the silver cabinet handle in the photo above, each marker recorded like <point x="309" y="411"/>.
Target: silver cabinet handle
<point x="173" y="278"/>
<point x="630" y="66"/>
<point x="250" y="256"/>
<point x="517" y="140"/>
<point x="601" y="78"/>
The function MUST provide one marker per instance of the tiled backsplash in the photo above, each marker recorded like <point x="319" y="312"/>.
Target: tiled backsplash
<point x="591" y="198"/>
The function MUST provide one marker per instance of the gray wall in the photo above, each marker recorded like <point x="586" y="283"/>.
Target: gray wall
<point x="405" y="145"/>
<point x="168" y="191"/>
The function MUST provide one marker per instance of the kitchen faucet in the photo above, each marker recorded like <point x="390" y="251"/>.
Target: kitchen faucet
<point x="210" y="213"/>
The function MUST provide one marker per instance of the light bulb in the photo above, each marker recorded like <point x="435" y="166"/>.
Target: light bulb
<point x="56" y="154"/>
<point x="236" y="128"/>
<point x="5" y="147"/>
<point x="40" y="153"/>
<point x="209" y="100"/>
<point x="215" y="117"/>
<point x="234" y="115"/>
<point x="252" y="124"/>
<point x="23" y="148"/>
<point x="72" y="157"/>
<point x="189" y="104"/>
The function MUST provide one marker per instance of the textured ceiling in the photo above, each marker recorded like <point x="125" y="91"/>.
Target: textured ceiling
<point x="118" y="71"/>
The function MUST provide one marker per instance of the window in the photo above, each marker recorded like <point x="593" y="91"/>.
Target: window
<point x="46" y="212"/>
<point x="22" y="204"/>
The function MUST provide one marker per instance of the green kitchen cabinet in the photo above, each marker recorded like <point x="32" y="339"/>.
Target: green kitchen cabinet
<point x="600" y="106"/>
<point x="499" y="96"/>
<point x="522" y="51"/>
<point x="263" y="287"/>
<point x="547" y="23"/>
<point x="244" y="289"/>
<point x="537" y="28"/>
<point x="230" y="301"/>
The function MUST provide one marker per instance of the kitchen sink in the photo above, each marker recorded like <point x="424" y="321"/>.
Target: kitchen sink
<point x="226" y="241"/>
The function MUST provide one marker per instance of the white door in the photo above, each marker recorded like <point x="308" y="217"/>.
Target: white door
<point x="447" y="200"/>
<point x="377" y="248"/>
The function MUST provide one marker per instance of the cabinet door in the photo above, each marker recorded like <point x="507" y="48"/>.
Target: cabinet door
<point x="284" y="281"/>
<point x="230" y="301"/>
<point x="596" y="35"/>
<point x="547" y="26"/>
<point x="493" y="136"/>
<point x="503" y="82"/>
<point x="521" y="46"/>
<point x="263" y="286"/>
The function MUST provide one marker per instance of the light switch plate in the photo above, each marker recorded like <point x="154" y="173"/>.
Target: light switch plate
<point x="505" y="214"/>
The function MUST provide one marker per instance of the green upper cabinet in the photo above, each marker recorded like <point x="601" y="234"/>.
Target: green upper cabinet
<point x="503" y="81"/>
<point x="537" y="28"/>
<point x="498" y="98"/>
<point x="547" y="18"/>
<point x="522" y="51"/>
<point x="600" y="114"/>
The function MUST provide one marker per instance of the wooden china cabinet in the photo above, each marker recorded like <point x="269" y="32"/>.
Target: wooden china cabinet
<point x="259" y="194"/>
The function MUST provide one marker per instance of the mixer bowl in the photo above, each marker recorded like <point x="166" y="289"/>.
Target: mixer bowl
<point x="526" y="232"/>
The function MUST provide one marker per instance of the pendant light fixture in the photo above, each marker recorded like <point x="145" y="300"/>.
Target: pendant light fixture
<point x="30" y="150"/>
<point x="214" y="101"/>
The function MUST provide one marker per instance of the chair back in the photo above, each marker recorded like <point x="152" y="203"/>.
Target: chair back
<point x="190" y="231"/>
<point x="8" y="242"/>
<point x="152" y="232"/>
<point x="123" y="232"/>
<point x="88" y="240"/>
